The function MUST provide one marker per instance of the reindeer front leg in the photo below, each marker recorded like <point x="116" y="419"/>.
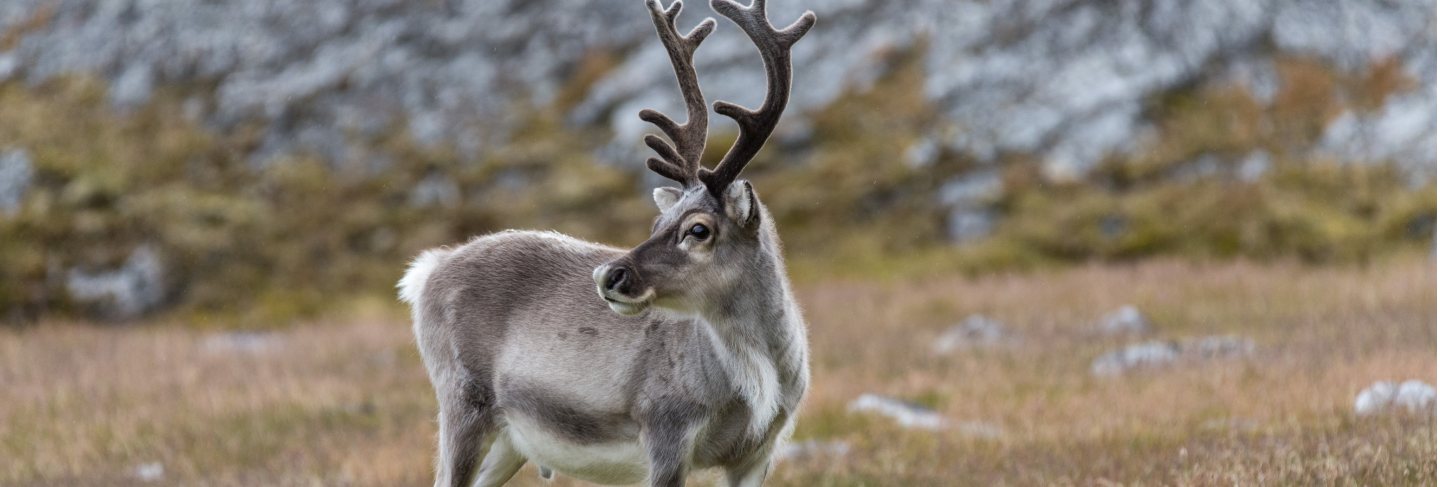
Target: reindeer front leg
<point x="668" y="437"/>
<point x="751" y="475"/>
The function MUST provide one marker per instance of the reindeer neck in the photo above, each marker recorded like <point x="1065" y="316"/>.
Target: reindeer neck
<point x="760" y="336"/>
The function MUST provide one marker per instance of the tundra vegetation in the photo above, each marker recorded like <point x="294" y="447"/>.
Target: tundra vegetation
<point x="345" y="400"/>
<point x="252" y="244"/>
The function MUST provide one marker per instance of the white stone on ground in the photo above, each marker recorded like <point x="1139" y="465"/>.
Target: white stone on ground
<point x="1126" y="320"/>
<point x="812" y="450"/>
<point x="1159" y="353"/>
<point x="911" y="415"/>
<point x="908" y="414"/>
<point x="1412" y="396"/>
<point x="974" y="331"/>
<point x="149" y="472"/>
<point x="134" y="288"/>
<point x="241" y="342"/>
<point x="1148" y="354"/>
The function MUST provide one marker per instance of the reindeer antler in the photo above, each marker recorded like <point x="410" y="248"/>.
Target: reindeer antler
<point x="682" y="161"/>
<point x="756" y="125"/>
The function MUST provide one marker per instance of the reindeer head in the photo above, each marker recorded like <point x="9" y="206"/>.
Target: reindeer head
<point x="710" y="228"/>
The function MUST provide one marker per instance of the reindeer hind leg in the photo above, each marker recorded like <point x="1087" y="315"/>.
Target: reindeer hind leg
<point x="466" y="418"/>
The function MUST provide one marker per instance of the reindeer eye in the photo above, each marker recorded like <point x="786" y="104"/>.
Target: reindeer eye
<point x="700" y="232"/>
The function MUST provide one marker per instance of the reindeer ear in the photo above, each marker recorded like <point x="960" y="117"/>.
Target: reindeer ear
<point x="666" y="197"/>
<point x="740" y="203"/>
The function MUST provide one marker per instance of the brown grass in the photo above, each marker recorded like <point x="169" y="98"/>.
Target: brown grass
<point x="346" y="402"/>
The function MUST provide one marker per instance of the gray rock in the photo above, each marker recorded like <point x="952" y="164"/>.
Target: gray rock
<point x="8" y="66"/>
<point x="910" y="415"/>
<point x="1144" y="355"/>
<point x="241" y="342"/>
<point x="923" y="153"/>
<point x="970" y="199"/>
<point x="1063" y="80"/>
<point x="1157" y="354"/>
<point x="964" y="225"/>
<point x="907" y="414"/>
<point x="136" y="287"/>
<point x="974" y="331"/>
<point x="1254" y="166"/>
<point x="1126" y="320"/>
<point x="435" y="190"/>
<point x="978" y="187"/>
<point x="15" y="176"/>
<point x="1412" y="396"/>
<point x="133" y="88"/>
<point x="149" y="472"/>
<point x="1218" y="347"/>
<point x="811" y="450"/>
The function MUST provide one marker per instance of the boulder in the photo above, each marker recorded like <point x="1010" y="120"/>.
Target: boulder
<point x="1411" y="396"/>
<point x="135" y="287"/>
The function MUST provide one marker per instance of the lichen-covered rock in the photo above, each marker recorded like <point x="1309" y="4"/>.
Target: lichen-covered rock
<point x="16" y="173"/>
<point x="1412" y="396"/>
<point x="969" y="201"/>
<point x="127" y="292"/>
<point x="1062" y="79"/>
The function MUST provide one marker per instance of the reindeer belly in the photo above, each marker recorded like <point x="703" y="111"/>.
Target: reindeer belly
<point x="579" y="429"/>
<point x="616" y="460"/>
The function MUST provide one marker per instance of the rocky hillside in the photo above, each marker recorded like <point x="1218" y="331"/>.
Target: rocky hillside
<point x="1066" y="80"/>
<point x="1048" y="128"/>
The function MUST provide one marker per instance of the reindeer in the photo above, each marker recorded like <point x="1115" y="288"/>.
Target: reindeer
<point x="693" y="355"/>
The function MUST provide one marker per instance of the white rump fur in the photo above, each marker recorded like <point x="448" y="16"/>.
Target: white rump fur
<point x="412" y="286"/>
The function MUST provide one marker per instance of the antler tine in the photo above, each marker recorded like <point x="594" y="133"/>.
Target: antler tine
<point x="680" y="162"/>
<point x="756" y="125"/>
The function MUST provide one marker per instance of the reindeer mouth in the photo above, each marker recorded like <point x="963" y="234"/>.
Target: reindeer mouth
<point x="629" y="306"/>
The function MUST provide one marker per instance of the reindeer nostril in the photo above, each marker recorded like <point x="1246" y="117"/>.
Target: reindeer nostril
<point x="616" y="277"/>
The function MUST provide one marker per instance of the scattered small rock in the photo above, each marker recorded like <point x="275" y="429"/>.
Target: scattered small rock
<point x="977" y="429"/>
<point x="1412" y="396"/>
<point x="1160" y="353"/>
<point x="911" y="415"/>
<point x="242" y="342"/>
<point x="1148" y="354"/>
<point x="812" y="450"/>
<point x="974" y="331"/>
<point x="1219" y="347"/>
<point x="435" y="190"/>
<point x="1124" y="321"/>
<point x="136" y="287"/>
<point x="149" y="472"/>
<point x="908" y="414"/>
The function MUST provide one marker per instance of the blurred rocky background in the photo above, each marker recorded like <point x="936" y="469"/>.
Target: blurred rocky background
<point x="250" y="162"/>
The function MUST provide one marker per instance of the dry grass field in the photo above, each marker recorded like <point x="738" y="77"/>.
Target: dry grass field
<point x="345" y="401"/>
